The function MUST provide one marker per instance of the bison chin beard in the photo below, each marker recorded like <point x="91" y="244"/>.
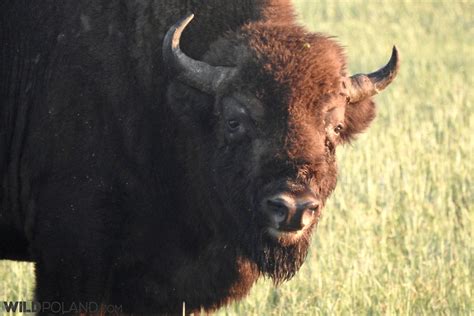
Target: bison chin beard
<point x="281" y="262"/>
<point x="274" y="259"/>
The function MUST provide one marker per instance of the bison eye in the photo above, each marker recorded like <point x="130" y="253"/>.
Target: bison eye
<point x="233" y="125"/>
<point x="338" y="129"/>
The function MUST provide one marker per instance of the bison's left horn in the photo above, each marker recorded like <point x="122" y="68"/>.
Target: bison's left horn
<point x="362" y="86"/>
<point x="197" y="74"/>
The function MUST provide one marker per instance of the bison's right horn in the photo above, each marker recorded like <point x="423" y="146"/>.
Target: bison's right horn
<point x="197" y="74"/>
<point x="362" y="86"/>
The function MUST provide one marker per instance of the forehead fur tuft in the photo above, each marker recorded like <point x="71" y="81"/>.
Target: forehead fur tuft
<point x="282" y="60"/>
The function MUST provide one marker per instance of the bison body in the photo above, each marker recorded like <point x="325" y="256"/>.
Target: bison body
<point x="145" y="174"/>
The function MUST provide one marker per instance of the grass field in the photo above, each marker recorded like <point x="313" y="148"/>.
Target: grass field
<point x="396" y="237"/>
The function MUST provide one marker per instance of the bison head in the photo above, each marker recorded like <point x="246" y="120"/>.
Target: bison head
<point x="265" y="111"/>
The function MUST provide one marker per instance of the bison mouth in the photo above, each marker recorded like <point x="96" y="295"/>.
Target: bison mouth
<point x="275" y="231"/>
<point x="286" y="237"/>
<point x="277" y="252"/>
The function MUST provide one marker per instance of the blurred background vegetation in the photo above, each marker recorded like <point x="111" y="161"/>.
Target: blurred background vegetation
<point x="396" y="237"/>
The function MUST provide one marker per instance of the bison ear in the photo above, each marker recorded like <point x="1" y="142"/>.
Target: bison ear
<point x="360" y="109"/>
<point x="358" y="116"/>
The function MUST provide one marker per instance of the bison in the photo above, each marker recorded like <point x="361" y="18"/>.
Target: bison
<point x="141" y="173"/>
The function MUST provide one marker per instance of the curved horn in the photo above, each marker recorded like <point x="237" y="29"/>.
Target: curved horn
<point x="197" y="74"/>
<point x="362" y="86"/>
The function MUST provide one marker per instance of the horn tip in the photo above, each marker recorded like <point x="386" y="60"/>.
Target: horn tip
<point x="395" y="58"/>
<point x="179" y="26"/>
<point x="185" y="21"/>
<point x="189" y="17"/>
<point x="172" y="37"/>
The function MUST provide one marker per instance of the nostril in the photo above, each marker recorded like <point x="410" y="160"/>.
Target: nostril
<point x="310" y="211"/>
<point x="313" y="208"/>
<point x="277" y="209"/>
